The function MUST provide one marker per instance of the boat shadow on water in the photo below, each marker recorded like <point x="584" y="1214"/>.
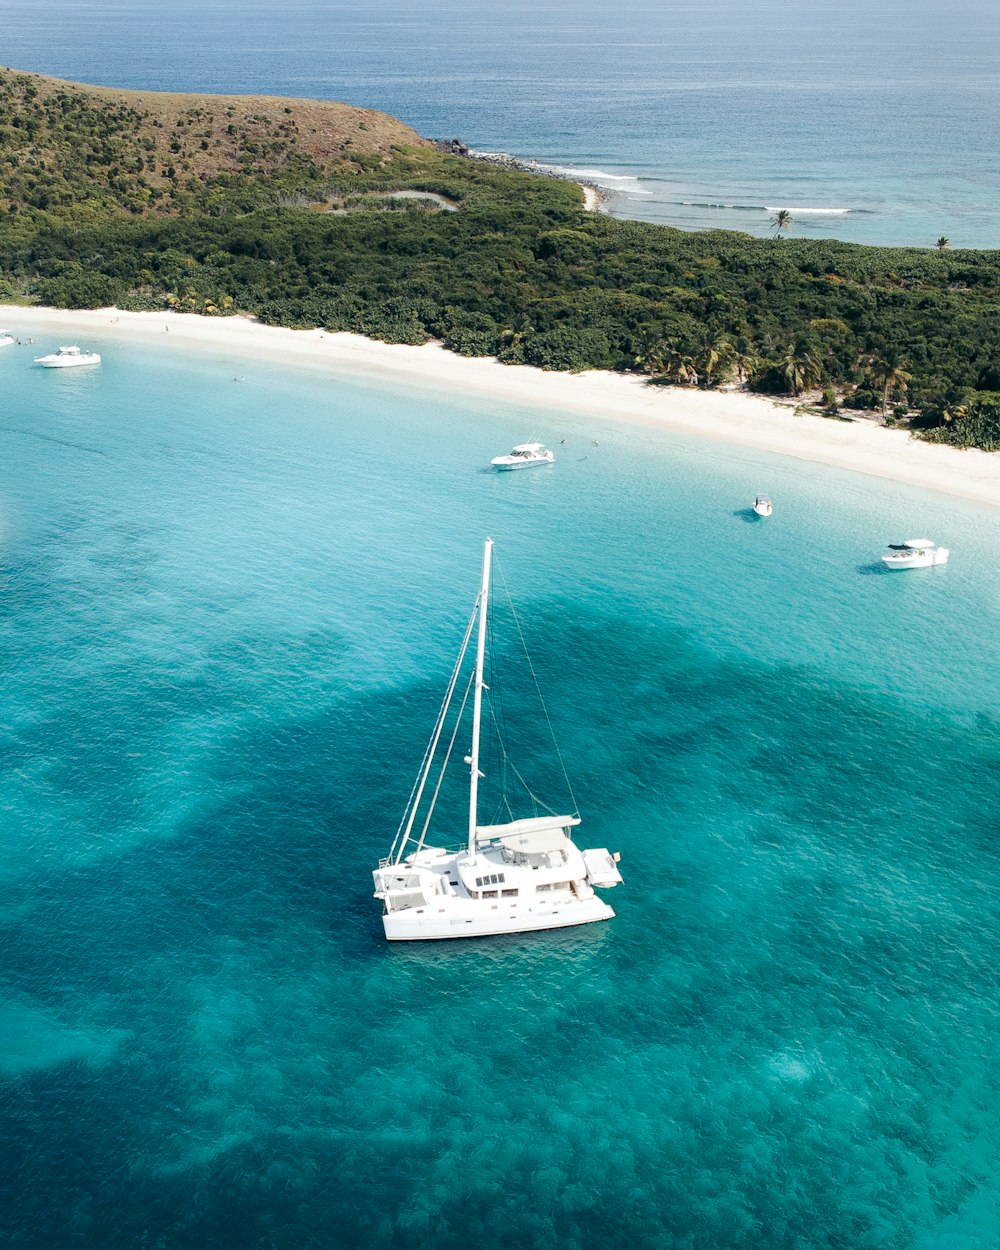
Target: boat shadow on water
<point x="875" y="568"/>
<point x="748" y="515"/>
<point x="571" y="945"/>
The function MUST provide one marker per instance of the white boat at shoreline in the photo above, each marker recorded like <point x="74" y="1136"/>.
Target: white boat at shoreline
<point x="523" y="456"/>
<point x="68" y="357"/>
<point x="915" y="553"/>
<point x="762" y="505"/>
<point x="6" y="338"/>
<point x="517" y="877"/>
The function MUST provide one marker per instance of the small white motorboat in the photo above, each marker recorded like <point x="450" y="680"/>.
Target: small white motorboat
<point x="762" y="505"/>
<point x="66" y="357"/>
<point x="915" y="553"/>
<point x="523" y="456"/>
<point x="6" y="338"/>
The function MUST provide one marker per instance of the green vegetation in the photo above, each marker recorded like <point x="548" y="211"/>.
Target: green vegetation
<point x="279" y="209"/>
<point x="972" y="424"/>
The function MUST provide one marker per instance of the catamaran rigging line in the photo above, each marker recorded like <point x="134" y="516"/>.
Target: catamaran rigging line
<point x="538" y="693"/>
<point x="444" y="764"/>
<point x="413" y="802"/>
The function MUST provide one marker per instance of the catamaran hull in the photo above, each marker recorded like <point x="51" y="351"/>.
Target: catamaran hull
<point x="420" y="925"/>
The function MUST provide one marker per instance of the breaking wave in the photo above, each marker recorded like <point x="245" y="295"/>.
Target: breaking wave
<point x="821" y="212"/>
<point x="626" y="183"/>
<point x="768" y="208"/>
<point x="623" y="184"/>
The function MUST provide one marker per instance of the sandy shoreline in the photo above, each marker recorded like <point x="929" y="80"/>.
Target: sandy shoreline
<point x="745" y="420"/>
<point x="592" y="198"/>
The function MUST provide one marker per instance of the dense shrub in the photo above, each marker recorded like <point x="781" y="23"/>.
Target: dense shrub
<point x="974" y="425"/>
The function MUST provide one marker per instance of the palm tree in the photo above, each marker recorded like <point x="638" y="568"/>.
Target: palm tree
<point x="744" y="360"/>
<point x="896" y="380"/>
<point x="654" y="352"/>
<point x="942" y="243"/>
<point x="672" y="358"/>
<point x="889" y="374"/>
<point x="800" y="369"/>
<point x="782" y="220"/>
<point x="712" y="355"/>
<point x="679" y="365"/>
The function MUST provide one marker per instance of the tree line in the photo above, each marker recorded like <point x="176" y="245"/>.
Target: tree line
<point x="519" y="272"/>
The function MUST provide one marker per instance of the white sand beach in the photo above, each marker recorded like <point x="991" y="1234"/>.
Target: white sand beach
<point x="731" y="417"/>
<point x="592" y="198"/>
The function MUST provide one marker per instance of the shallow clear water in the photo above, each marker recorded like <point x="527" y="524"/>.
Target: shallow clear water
<point x="227" y="612"/>
<point x="874" y="123"/>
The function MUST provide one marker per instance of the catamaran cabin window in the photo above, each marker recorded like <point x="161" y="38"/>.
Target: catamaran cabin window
<point x="495" y="879"/>
<point x="489" y="893"/>
<point x="508" y="893"/>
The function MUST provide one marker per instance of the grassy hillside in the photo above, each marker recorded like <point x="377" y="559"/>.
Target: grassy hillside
<point x="69" y="147"/>
<point x="287" y="210"/>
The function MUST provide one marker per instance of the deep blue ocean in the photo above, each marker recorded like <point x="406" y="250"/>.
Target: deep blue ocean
<point x="871" y="122"/>
<point x="227" y="613"/>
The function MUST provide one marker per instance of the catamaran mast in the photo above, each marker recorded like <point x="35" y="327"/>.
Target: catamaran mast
<point x="477" y="701"/>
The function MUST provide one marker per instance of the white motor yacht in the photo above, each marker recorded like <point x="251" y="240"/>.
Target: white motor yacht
<point x="6" y="338"/>
<point x="66" y="357"/>
<point x="762" y="505"/>
<point x="915" y="553"/>
<point x="523" y="456"/>
<point x="522" y="875"/>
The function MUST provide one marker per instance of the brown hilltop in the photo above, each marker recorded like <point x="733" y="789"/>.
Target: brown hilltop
<point x="323" y="126"/>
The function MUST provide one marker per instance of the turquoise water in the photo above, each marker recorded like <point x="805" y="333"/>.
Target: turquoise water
<point x="874" y="123"/>
<point x="227" y="612"/>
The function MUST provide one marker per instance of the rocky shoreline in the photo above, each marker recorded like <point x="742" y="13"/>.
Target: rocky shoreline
<point x="596" y="199"/>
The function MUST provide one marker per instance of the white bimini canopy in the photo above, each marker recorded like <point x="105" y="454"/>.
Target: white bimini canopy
<point x="917" y="543"/>
<point x="533" y="835"/>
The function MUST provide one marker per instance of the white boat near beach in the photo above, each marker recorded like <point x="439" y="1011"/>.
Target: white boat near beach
<point x="67" y="357"/>
<point x="6" y="338"/>
<point x="523" y="456"/>
<point x="762" y="505"/>
<point x="915" y="553"/>
<point x="517" y="877"/>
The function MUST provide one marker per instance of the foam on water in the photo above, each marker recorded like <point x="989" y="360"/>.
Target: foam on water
<point x="797" y="209"/>
<point x="227" y="615"/>
<point x="627" y="184"/>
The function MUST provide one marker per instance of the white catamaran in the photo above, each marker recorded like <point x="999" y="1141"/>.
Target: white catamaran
<point x="517" y="877"/>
